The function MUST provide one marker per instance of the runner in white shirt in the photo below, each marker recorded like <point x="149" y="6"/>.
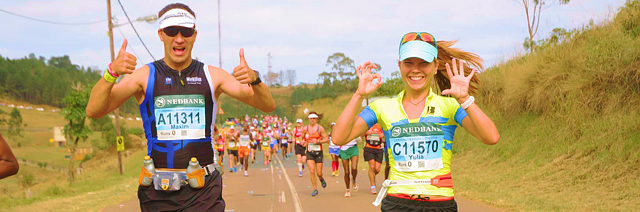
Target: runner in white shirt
<point x="349" y="155"/>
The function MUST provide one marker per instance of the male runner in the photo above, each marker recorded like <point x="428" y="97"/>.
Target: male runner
<point x="232" y="148"/>
<point x="176" y="89"/>
<point x="244" y="151"/>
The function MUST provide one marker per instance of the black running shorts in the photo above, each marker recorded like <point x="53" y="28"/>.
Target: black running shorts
<point x="316" y="156"/>
<point x="373" y="154"/>
<point x="393" y="204"/>
<point x="300" y="150"/>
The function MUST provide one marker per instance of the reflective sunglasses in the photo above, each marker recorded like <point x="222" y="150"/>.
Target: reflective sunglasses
<point x="173" y="31"/>
<point x="421" y="36"/>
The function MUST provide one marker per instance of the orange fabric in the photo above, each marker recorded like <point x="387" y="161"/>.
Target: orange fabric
<point x="143" y="173"/>
<point x="199" y="175"/>
<point x="408" y="196"/>
<point x="244" y="151"/>
<point x="442" y="180"/>
<point x="315" y="135"/>
<point x="375" y="129"/>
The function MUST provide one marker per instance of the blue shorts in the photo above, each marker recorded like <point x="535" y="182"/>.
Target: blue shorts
<point x="334" y="151"/>
<point x="272" y="145"/>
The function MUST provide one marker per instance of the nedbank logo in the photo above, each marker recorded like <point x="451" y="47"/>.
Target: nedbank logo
<point x="160" y="102"/>
<point x="395" y="132"/>
<point x="419" y="128"/>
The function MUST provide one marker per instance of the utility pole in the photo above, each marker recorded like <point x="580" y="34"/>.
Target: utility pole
<point x="219" y="38"/>
<point x="113" y="57"/>
<point x="268" y="67"/>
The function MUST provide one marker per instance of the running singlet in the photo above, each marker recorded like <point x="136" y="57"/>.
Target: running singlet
<point x="232" y="141"/>
<point x="244" y="141"/>
<point x="373" y="140"/>
<point x="284" y="138"/>
<point x="298" y="135"/>
<point x="417" y="148"/>
<point x="177" y="114"/>
<point x="316" y="135"/>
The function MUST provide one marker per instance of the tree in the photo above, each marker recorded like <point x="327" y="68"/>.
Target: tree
<point x="281" y="77"/>
<point x="291" y="77"/>
<point x="75" y="130"/>
<point x="15" y="124"/>
<point x="533" y="9"/>
<point x="344" y="66"/>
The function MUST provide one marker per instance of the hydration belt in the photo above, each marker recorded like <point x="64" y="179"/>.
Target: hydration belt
<point x="438" y="181"/>
<point x="174" y="180"/>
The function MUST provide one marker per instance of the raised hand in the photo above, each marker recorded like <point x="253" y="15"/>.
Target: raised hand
<point x="459" y="83"/>
<point x="365" y="77"/>
<point x="242" y="72"/>
<point x="125" y="62"/>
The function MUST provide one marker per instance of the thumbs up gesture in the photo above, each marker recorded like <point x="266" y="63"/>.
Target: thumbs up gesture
<point x="125" y="62"/>
<point x="242" y="72"/>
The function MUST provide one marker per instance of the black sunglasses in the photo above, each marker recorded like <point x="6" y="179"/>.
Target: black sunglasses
<point x="173" y="31"/>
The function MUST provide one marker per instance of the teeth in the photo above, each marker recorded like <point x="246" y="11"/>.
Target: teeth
<point x="416" y="78"/>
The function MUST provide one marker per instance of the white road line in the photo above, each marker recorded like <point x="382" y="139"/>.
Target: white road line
<point x="284" y="198"/>
<point x="273" y="183"/>
<point x="296" y="200"/>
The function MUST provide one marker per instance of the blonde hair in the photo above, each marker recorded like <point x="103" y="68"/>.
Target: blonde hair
<point x="445" y="54"/>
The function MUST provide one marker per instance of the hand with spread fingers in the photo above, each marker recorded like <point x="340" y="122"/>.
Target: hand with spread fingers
<point x="125" y="62"/>
<point x="459" y="83"/>
<point x="242" y="72"/>
<point x="366" y="84"/>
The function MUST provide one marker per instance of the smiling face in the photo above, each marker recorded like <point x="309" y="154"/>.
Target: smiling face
<point x="177" y="49"/>
<point x="417" y="73"/>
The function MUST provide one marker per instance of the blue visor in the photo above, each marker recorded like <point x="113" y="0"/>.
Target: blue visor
<point x="419" y="49"/>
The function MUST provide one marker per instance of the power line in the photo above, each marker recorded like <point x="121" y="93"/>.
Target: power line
<point x="130" y="47"/>
<point x="51" y="22"/>
<point x="134" y="29"/>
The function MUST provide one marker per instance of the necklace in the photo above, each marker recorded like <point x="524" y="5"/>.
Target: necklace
<point x="416" y="104"/>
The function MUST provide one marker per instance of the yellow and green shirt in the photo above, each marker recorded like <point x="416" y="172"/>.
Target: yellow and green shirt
<point x="417" y="148"/>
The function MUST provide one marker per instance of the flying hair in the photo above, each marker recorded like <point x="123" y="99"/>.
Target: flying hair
<point x="445" y="54"/>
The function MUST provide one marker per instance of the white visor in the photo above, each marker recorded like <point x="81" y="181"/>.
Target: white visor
<point x="177" y="17"/>
<point x="313" y="116"/>
<point x="299" y="121"/>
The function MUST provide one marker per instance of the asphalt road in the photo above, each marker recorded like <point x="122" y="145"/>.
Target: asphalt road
<point x="277" y="187"/>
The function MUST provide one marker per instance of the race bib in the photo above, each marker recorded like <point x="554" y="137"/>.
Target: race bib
<point x="265" y="143"/>
<point x="314" y="147"/>
<point x="284" y="140"/>
<point x="298" y="140"/>
<point x="244" y="140"/>
<point x="417" y="147"/>
<point x="232" y="144"/>
<point x="180" y="117"/>
<point x="374" y="140"/>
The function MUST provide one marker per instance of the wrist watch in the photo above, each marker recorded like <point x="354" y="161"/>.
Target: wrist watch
<point x="258" y="81"/>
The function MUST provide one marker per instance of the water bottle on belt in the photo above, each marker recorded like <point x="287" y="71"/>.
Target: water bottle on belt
<point x="148" y="169"/>
<point x="195" y="174"/>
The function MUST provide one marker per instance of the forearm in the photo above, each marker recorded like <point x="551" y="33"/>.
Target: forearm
<point x="98" y="104"/>
<point x="346" y="121"/>
<point x="8" y="168"/>
<point x="262" y="98"/>
<point x="483" y="125"/>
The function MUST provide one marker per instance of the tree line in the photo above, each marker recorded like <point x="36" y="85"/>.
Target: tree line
<point x="38" y="80"/>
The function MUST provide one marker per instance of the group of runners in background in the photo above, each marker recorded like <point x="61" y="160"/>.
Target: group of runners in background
<point x="242" y="139"/>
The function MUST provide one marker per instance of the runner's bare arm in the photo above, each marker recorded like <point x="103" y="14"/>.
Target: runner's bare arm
<point x="480" y="125"/>
<point x="349" y="126"/>
<point x="257" y="96"/>
<point x="106" y="97"/>
<point x="8" y="162"/>
<point x="325" y="137"/>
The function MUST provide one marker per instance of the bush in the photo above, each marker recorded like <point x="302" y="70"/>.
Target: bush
<point x="27" y="180"/>
<point x="137" y="131"/>
<point x="629" y="18"/>
<point x="54" y="190"/>
<point x="88" y="157"/>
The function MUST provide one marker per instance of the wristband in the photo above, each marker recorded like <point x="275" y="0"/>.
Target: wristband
<point x="108" y="77"/>
<point x="111" y="72"/>
<point x="467" y="103"/>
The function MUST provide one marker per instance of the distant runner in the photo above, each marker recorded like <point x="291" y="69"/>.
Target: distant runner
<point x="373" y="153"/>
<point x="315" y="136"/>
<point x="334" y="151"/>
<point x="301" y="146"/>
<point x="349" y="156"/>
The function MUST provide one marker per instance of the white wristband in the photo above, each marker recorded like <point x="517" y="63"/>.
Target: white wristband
<point x="467" y="103"/>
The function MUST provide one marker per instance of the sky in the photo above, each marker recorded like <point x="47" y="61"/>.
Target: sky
<point x="299" y="34"/>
